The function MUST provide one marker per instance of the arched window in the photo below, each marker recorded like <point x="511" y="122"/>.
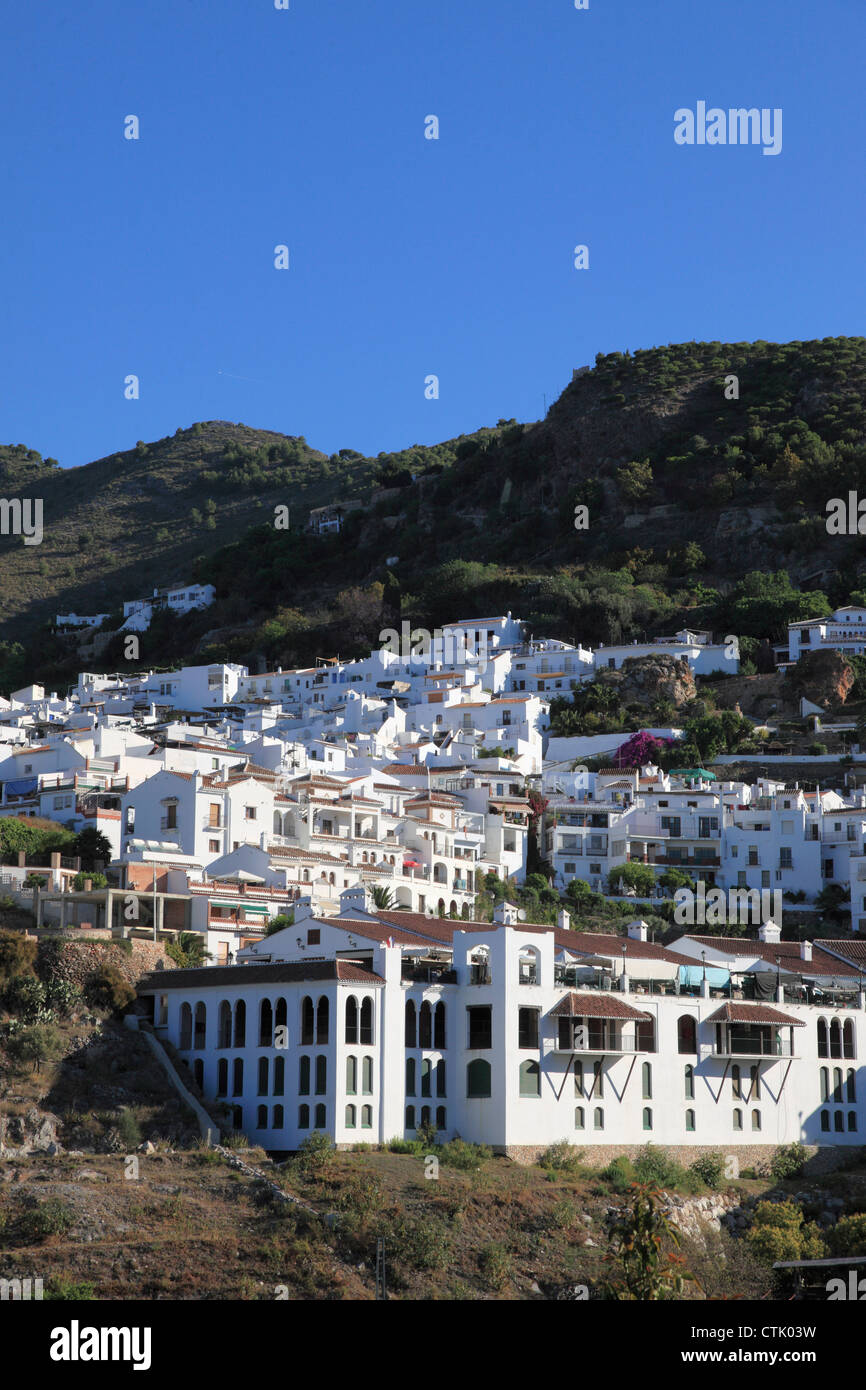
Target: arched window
<point x="261" y="1117"/>
<point x="852" y="1120"/>
<point x="687" y="1033"/>
<point x="598" y="1118"/>
<point x="835" y="1038"/>
<point x="321" y="1117"/>
<point x="367" y="1022"/>
<point x="851" y="1086"/>
<point x="279" y="1076"/>
<point x="690" y="1120"/>
<point x="441" y="1119"/>
<point x="478" y="1079"/>
<point x="366" y="1117"/>
<point x="322" y="1021"/>
<point x="367" y="1076"/>
<point x="240" y="1023"/>
<point x="222" y="1077"/>
<point x="837" y="1085"/>
<point x="736" y="1082"/>
<point x="410" y="1117"/>
<point x="351" y="1076"/>
<point x="825" y="1083"/>
<point x="263" y="1076"/>
<point x="578" y="1077"/>
<point x="426" y="1077"/>
<point x="690" y="1082"/>
<point x="755" y="1082"/>
<point x="303" y="1117"/>
<point x="825" y="1121"/>
<point x="351" y="1019"/>
<point x="738" y="1119"/>
<point x="224" y="1026"/>
<point x="410" y="1024"/>
<point x="281" y="1021"/>
<point x="350" y="1117"/>
<point x="307" y="1021"/>
<point x="848" y="1039"/>
<point x="410" y="1076"/>
<point x="425" y="1115"/>
<point x="237" y="1117"/>
<point x="266" y="1023"/>
<point x="530" y="1078"/>
<point x="756" y="1119"/>
<point x="200" y="1025"/>
<point x="838" y="1121"/>
<point x="647" y="1117"/>
<point x="440" y="1077"/>
<point x="321" y="1076"/>
<point x="198" y="1072"/>
<point x="278" y="1121"/>
<point x="238" y="1077"/>
<point x="647" y="1081"/>
<point x="425" y="1025"/>
<point x="823" y="1050"/>
<point x="185" y="1027"/>
<point x="439" y="1025"/>
<point x="579" y="1117"/>
<point x="303" y="1076"/>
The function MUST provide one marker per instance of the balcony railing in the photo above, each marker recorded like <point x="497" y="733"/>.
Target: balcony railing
<point x="739" y="1046"/>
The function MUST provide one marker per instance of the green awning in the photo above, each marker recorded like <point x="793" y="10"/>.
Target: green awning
<point x="693" y="772"/>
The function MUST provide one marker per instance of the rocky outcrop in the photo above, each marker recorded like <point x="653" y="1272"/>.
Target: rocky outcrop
<point x="33" y="1133"/>
<point x="645" y="679"/>
<point x="825" y="678"/>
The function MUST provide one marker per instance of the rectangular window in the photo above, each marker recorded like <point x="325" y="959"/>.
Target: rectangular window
<point x="527" y="1028"/>
<point x="214" y="815"/>
<point x="480" y="1026"/>
<point x="250" y="812"/>
<point x="213" y="846"/>
<point x="786" y="859"/>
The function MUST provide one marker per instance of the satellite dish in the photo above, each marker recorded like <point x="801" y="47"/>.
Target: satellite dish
<point x="521" y="916"/>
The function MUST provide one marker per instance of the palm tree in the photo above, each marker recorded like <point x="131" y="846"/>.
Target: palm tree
<point x="192" y="946"/>
<point x="383" y="898"/>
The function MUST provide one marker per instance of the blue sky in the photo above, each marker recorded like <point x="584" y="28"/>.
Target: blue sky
<point x="408" y="256"/>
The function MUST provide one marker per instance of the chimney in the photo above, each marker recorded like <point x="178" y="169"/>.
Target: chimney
<point x="805" y="950"/>
<point x="506" y="914"/>
<point x="638" y="930"/>
<point x="563" y="920"/>
<point x="769" y="932"/>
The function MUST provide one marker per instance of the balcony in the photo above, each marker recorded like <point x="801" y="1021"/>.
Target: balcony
<point x="744" y="1045"/>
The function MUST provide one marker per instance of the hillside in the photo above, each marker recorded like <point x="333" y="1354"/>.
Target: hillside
<point x="686" y="491"/>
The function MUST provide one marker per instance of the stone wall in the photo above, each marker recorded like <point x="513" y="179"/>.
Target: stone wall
<point x="79" y="960"/>
<point x="757" y="1156"/>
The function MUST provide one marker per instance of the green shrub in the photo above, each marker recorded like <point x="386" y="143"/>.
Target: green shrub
<point x="61" y="1289"/>
<point x="778" y="1233"/>
<point x="653" y="1166"/>
<point x="788" y="1161"/>
<point x="710" y="1168"/>
<point x="128" y="1128"/>
<point x="494" y="1261"/>
<point x="619" y="1173"/>
<point x="315" y="1153"/>
<point x="457" y="1153"/>
<point x="50" y="1218"/>
<point x="561" y="1158"/>
<point x="17" y="955"/>
<point x="405" y="1146"/>
<point x="109" y="989"/>
<point x="38" y="1043"/>
<point x="848" y="1236"/>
